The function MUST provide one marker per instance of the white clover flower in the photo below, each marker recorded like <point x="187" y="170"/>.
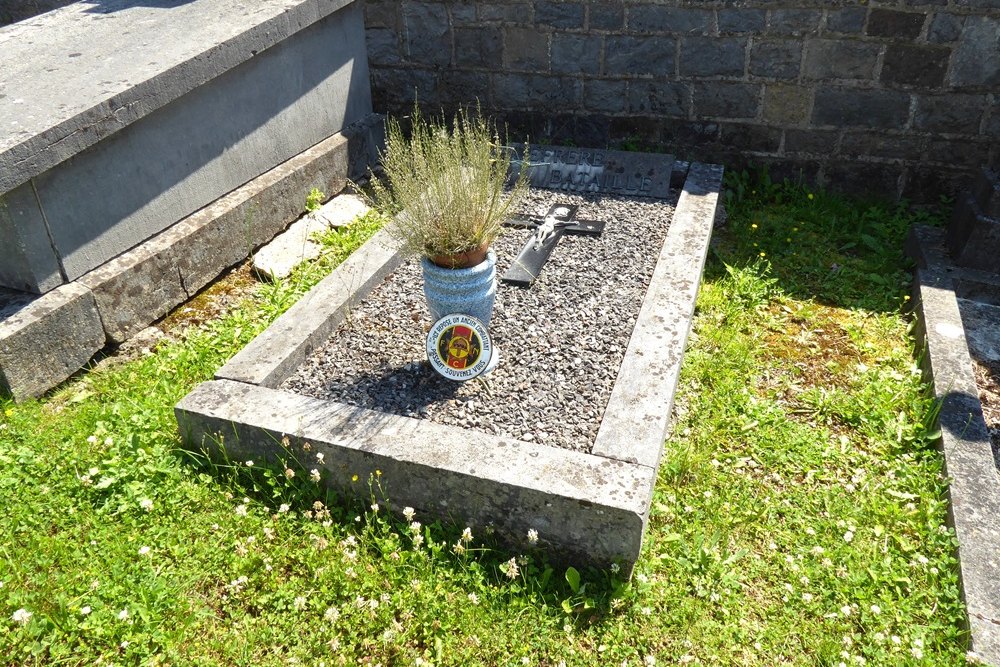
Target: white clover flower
<point x="646" y="611"/>
<point x="92" y="439"/>
<point x="143" y="551"/>
<point x="510" y="569"/>
<point x="807" y="597"/>
<point x="241" y="510"/>
<point x="123" y="614"/>
<point x="895" y="640"/>
<point x="409" y="513"/>
<point x="331" y="614"/>
<point x="917" y="653"/>
<point x="845" y="610"/>
<point x="289" y="473"/>
<point x="299" y="603"/>
<point x="615" y="568"/>
<point x="473" y="598"/>
<point x="319" y="457"/>
<point x="415" y="527"/>
<point x="250" y="463"/>
<point x="532" y="536"/>
<point x="22" y="616"/>
<point x="875" y="609"/>
<point x="649" y="661"/>
<point x="146" y="504"/>
<point x="314" y="475"/>
<point x="467" y="535"/>
<point x="283" y="509"/>
<point x="418" y="540"/>
<point x="458" y="548"/>
<point x="375" y="508"/>
<point x="108" y="441"/>
<point x="848" y="536"/>
<point x="84" y="610"/>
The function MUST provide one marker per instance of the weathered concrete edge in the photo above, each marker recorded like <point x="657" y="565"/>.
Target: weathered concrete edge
<point x="974" y="486"/>
<point x="172" y="266"/>
<point x="45" y="150"/>
<point x="273" y="355"/>
<point x="590" y="508"/>
<point x="48" y="340"/>
<point x="638" y="412"/>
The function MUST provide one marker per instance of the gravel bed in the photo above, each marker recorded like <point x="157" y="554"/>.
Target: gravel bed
<point x="561" y="341"/>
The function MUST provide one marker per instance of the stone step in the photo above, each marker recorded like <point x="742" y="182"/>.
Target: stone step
<point x="973" y="237"/>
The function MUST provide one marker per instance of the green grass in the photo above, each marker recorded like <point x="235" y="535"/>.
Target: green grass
<point x="798" y="519"/>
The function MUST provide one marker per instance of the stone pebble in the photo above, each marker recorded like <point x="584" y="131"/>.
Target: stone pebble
<point x="561" y="341"/>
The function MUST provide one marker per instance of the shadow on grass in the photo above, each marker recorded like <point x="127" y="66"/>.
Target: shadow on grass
<point x="828" y="248"/>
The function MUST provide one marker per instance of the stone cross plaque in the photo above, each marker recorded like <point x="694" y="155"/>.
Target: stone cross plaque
<point x="599" y="171"/>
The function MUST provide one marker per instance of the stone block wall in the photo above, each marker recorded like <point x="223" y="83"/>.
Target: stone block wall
<point x="893" y="98"/>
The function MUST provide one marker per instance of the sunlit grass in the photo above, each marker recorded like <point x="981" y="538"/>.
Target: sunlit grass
<point x="798" y="519"/>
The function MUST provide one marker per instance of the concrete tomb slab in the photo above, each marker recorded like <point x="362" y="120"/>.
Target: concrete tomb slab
<point x="586" y="507"/>
<point x="113" y="140"/>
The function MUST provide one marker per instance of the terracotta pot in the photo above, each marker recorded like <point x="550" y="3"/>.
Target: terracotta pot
<point x="462" y="260"/>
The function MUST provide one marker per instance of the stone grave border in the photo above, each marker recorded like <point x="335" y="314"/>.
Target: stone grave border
<point x="589" y="508"/>
<point x="970" y="463"/>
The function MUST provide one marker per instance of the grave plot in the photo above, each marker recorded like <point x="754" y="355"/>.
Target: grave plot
<point x="563" y="437"/>
<point x="957" y="295"/>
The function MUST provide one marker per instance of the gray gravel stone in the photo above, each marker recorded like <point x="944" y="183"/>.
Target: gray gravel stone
<point x="561" y="341"/>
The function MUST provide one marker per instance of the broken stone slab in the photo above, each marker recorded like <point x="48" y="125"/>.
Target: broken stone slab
<point x="341" y="210"/>
<point x="278" y="259"/>
<point x="45" y="339"/>
<point x="295" y="245"/>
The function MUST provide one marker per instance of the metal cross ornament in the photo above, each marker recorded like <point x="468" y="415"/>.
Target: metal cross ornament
<point x="560" y="219"/>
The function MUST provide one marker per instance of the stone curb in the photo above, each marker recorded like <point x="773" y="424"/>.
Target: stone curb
<point x="590" y="508"/>
<point x="974" y="488"/>
<point x="638" y="413"/>
<point x="46" y="340"/>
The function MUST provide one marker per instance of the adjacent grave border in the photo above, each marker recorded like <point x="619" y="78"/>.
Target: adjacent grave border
<point x="969" y="460"/>
<point x="586" y="507"/>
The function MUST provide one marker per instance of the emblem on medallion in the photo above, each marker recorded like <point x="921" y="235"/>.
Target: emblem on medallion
<point x="459" y="347"/>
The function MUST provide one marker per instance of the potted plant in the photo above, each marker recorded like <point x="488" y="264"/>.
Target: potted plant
<point x="447" y="190"/>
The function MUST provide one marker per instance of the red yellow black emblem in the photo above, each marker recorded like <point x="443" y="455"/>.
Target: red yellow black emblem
<point x="459" y="347"/>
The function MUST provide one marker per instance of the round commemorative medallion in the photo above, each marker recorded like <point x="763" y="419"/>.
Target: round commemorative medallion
<point x="459" y="347"/>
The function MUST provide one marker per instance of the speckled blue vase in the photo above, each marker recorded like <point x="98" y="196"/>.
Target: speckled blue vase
<point x="469" y="291"/>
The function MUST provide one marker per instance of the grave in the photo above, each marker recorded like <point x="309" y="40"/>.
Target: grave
<point x="463" y="452"/>
<point x="149" y="145"/>
<point x="957" y="299"/>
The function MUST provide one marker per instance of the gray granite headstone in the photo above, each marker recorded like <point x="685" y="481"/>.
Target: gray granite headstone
<point x="598" y="171"/>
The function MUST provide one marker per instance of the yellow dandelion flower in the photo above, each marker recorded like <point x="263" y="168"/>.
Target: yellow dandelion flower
<point x="753" y="226"/>
<point x="354" y="478"/>
<point x="763" y="254"/>
<point x="810" y="195"/>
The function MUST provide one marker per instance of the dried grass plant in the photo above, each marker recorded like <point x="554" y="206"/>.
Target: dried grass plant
<point x="446" y="186"/>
